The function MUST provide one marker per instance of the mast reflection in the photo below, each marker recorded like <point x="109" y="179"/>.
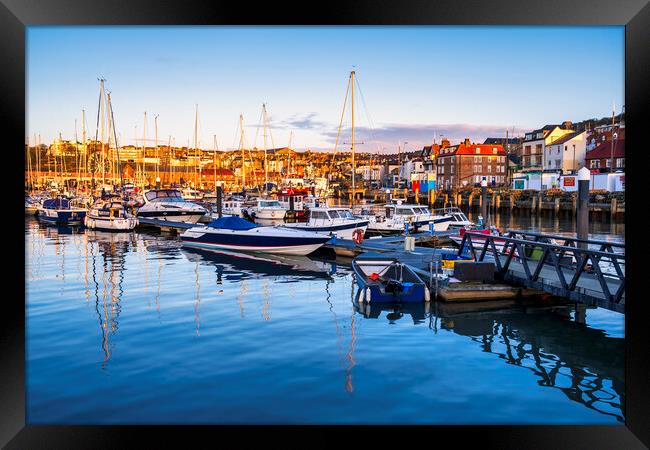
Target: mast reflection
<point x="112" y="248"/>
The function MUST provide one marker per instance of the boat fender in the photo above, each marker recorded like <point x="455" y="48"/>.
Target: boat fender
<point x="427" y="294"/>
<point x="368" y="294"/>
<point x="357" y="236"/>
<point x="362" y="294"/>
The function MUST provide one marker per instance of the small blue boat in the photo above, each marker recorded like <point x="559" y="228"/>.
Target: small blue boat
<point x="385" y="280"/>
<point x="61" y="211"/>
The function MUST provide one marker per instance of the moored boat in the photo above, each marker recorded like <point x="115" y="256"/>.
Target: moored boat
<point x="235" y="233"/>
<point x="332" y="221"/>
<point x="62" y="211"/>
<point x="396" y="217"/>
<point x="169" y="204"/>
<point x="110" y="215"/>
<point x="384" y="279"/>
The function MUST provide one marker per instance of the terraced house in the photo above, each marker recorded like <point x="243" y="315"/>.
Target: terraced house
<point x="535" y="143"/>
<point x="468" y="163"/>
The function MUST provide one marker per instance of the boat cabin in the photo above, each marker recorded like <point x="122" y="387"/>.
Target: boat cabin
<point x="163" y="195"/>
<point x="268" y="204"/>
<point x="406" y="210"/>
<point x="328" y="214"/>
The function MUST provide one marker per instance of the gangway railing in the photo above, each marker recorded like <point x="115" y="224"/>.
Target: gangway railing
<point x="571" y="260"/>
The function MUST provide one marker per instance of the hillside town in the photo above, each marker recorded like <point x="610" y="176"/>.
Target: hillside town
<point x="545" y="158"/>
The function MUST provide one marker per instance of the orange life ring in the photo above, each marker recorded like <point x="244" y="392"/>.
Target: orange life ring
<point x="357" y="236"/>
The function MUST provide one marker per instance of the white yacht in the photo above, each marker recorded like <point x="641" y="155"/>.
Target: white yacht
<point x="332" y="221"/>
<point x="396" y="216"/>
<point x="459" y="219"/>
<point x="267" y="209"/>
<point x="110" y="215"/>
<point x="169" y="204"/>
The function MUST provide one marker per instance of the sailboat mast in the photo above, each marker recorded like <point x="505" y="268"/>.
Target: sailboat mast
<point x="83" y="137"/>
<point x="102" y="107"/>
<point x="144" y="141"/>
<point x="353" y="165"/>
<point x="214" y="163"/>
<point x="196" y="160"/>
<point x="117" y="149"/>
<point x="241" y="146"/>
<point x="76" y="142"/>
<point x="155" y="121"/>
<point x="266" y="172"/>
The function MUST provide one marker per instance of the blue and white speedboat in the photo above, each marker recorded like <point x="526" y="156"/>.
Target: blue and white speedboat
<point x="61" y="211"/>
<point x="235" y="233"/>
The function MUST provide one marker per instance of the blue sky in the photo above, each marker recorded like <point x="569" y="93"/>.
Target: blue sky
<point x="417" y="82"/>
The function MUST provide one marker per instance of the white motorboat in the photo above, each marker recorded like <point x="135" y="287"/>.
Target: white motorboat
<point x="235" y="233"/>
<point x="169" y="204"/>
<point x="110" y="215"/>
<point x="267" y="209"/>
<point x="459" y="219"/>
<point x="332" y="221"/>
<point x="397" y="216"/>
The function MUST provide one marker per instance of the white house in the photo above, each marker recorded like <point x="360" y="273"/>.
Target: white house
<point x="566" y="153"/>
<point x="535" y="142"/>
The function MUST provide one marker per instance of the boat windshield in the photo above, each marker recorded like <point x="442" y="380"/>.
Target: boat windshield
<point x="403" y="211"/>
<point x="167" y="195"/>
<point x="269" y="204"/>
<point x="341" y="213"/>
<point x="421" y="210"/>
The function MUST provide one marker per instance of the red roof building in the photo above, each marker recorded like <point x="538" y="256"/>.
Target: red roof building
<point x="600" y="158"/>
<point x="469" y="163"/>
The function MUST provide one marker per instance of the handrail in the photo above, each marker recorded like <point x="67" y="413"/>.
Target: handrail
<point x="554" y="253"/>
<point x="546" y="244"/>
<point x="566" y="238"/>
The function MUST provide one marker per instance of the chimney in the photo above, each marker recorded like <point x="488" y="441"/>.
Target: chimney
<point x="567" y="125"/>
<point x="467" y="144"/>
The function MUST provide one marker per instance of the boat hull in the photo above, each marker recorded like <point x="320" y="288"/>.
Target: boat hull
<point x="107" y="224"/>
<point x="174" y="216"/>
<point x="253" y="241"/>
<point x="70" y="217"/>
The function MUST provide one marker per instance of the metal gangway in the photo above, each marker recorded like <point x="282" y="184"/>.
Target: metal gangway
<point x="583" y="270"/>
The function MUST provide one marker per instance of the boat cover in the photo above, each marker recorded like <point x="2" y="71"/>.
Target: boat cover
<point x="56" y="203"/>
<point x="231" y="223"/>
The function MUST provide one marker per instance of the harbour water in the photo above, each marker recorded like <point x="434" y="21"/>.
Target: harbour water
<point x="133" y="328"/>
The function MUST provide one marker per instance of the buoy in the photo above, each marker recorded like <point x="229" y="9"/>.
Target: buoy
<point x="357" y="236"/>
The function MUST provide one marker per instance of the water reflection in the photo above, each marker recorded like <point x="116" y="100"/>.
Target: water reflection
<point x="582" y="362"/>
<point x="112" y="248"/>
<point x="234" y="266"/>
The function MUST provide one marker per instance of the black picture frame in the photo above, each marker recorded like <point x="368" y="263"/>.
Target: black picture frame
<point x="15" y="15"/>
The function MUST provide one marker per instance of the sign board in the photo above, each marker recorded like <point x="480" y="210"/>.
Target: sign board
<point x="520" y="184"/>
<point x="569" y="181"/>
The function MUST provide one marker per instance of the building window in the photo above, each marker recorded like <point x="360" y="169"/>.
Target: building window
<point x="478" y="150"/>
<point x="489" y="168"/>
<point x="620" y="162"/>
<point x="608" y="162"/>
<point x="494" y="151"/>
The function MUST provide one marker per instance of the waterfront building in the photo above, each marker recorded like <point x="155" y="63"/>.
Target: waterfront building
<point x="566" y="153"/>
<point x="535" y="142"/>
<point x="599" y="159"/>
<point x="468" y="163"/>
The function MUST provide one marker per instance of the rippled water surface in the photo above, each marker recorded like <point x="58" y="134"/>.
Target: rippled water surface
<point x="133" y="328"/>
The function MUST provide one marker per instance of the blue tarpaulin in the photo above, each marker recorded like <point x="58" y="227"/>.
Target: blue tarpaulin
<point x="232" y="223"/>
